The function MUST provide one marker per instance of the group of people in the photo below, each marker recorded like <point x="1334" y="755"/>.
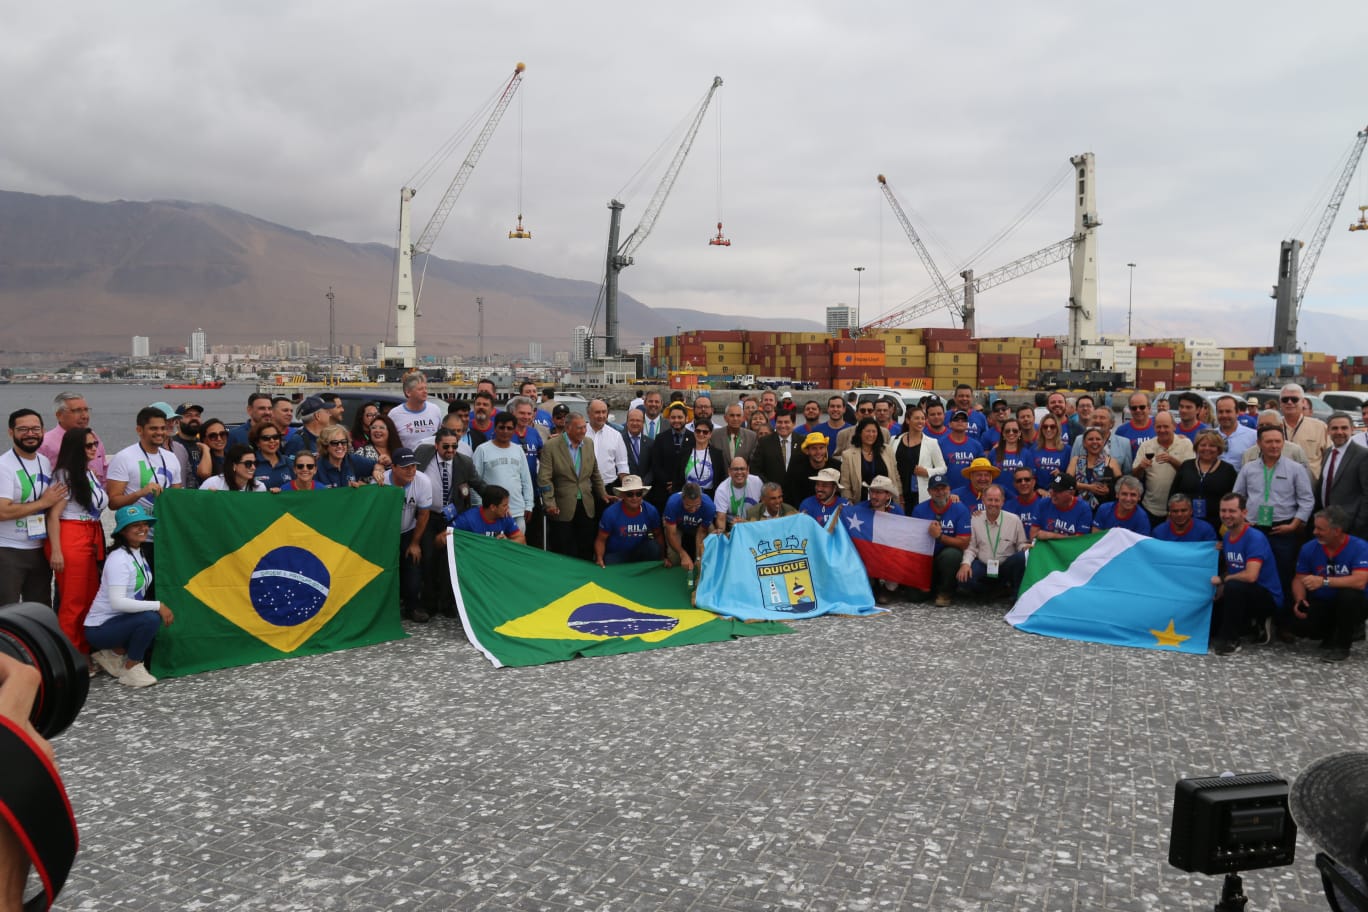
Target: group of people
<point x="1283" y="500"/>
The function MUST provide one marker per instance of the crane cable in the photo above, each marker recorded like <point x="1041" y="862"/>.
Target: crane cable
<point x="717" y="111"/>
<point x="671" y="142"/>
<point x="1319" y="201"/>
<point x="454" y="142"/>
<point x="522" y="98"/>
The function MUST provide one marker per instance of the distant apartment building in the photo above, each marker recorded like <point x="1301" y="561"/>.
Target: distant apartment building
<point x="839" y="317"/>
<point x="583" y="349"/>
<point x="198" y="345"/>
<point x="534" y="351"/>
<point x="142" y="347"/>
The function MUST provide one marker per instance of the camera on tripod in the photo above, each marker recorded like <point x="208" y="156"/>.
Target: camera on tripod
<point x="1227" y="824"/>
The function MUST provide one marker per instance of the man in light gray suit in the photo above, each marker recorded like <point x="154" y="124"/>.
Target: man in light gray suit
<point x="737" y="439"/>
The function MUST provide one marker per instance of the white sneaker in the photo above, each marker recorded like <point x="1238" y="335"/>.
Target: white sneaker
<point x="137" y="676"/>
<point x="110" y="661"/>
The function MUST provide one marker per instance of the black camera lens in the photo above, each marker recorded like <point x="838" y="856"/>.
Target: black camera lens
<point x="29" y="633"/>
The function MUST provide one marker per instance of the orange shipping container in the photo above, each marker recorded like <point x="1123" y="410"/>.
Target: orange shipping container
<point x="866" y="359"/>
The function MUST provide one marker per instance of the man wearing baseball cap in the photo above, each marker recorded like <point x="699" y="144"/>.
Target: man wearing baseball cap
<point x="417" y="504"/>
<point x="951" y="526"/>
<point x="959" y="450"/>
<point x="1064" y="515"/>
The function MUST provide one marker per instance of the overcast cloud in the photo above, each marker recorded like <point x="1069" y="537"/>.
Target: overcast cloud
<point x="1214" y="125"/>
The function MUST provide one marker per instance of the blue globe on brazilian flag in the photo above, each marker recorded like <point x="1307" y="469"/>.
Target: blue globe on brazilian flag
<point x="255" y="577"/>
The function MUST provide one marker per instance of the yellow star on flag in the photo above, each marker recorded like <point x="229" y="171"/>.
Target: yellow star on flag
<point x="1168" y="636"/>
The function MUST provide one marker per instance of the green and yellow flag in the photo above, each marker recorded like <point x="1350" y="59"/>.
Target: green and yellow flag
<point x="255" y="577"/>
<point x="521" y="606"/>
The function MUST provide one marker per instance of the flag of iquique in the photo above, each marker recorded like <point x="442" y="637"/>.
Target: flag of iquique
<point x="522" y="606"/>
<point x="787" y="568"/>
<point x="897" y="548"/>
<point x="252" y="577"/>
<point x="1119" y="587"/>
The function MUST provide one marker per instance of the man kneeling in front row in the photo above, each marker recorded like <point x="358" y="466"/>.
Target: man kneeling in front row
<point x="629" y="530"/>
<point x="490" y="518"/>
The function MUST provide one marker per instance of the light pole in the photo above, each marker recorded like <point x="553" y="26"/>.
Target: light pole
<point x="332" y="331"/>
<point x="1130" y="300"/>
<point x="859" y="286"/>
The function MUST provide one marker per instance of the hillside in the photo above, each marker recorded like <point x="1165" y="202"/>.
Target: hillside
<point x="79" y="276"/>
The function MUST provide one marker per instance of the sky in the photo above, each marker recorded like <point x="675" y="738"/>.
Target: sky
<point x="1217" y="129"/>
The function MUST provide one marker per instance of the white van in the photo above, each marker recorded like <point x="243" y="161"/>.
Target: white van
<point x="1350" y="401"/>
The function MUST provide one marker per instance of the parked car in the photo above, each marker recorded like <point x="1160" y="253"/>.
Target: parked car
<point x="1268" y="398"/>
<point x="1347" y="401"/>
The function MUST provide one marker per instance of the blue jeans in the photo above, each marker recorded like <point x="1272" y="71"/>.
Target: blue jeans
<point x="133" y="632"/>
<point x="646" y="550"/>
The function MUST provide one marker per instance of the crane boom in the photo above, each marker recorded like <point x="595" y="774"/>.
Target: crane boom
<point x="404" y="353"/>
<point x="458" y="182"/>
<point x="920" y="307"/>
<point x="1313" y="250"/>
<point x="620" y="255"/>
<point x="648" y="218"/>
<point x="942" y="287"/>
<point x="1293" y="279"/>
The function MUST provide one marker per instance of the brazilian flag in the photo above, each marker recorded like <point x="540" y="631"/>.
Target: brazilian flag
<point x="522" y="606"/>
<point x="253" y="577"/>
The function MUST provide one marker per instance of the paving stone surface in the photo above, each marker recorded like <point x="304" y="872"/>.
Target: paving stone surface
<point x="933" y="759"/>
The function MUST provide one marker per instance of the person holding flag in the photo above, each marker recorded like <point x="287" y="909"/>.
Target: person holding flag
<point x="1063" y="515"/>
<point x="951" y="526"/>
<point x="1248" y="590"/>
<point x="689" y="517"/>
<point x="629" y="530"/>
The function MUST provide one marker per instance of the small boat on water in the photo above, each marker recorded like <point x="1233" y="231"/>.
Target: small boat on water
<point x="204" y="385"/>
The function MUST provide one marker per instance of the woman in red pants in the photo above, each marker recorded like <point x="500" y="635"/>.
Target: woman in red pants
<point x="75" y="542"/>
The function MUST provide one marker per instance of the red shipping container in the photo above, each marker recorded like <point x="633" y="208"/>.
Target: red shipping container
<point x="1154" y="351"/>
<point x="997" y="360"/>
<point x="955" y="346"/>
<point x="1050" y="353"/>
<point x="937" y="333"/>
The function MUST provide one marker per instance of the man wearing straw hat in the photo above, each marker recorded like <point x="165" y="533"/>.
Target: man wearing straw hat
<point x="826" y="498"/>
<point x="980" y="474"/>
<point x="629" y="530"/>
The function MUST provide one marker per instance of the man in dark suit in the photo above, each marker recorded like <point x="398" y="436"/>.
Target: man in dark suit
<point x="639" y="447"/>
<point x="798" y="482"/>
<point x="774" y="452"/>
<point x="668" y="453"/>
<point x="1344" y="479"/>
<point x="736" y="439"/>
<point x="568" y="482"/>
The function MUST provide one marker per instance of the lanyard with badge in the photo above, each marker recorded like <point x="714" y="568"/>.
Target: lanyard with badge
<point x="1265" y="515"/>
<point x="992" y="565"/>
<point x="1199" y="503"/>
<point x="35" y="524"/>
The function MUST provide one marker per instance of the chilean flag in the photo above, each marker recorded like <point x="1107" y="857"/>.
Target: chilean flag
<point x="897" y="548"/>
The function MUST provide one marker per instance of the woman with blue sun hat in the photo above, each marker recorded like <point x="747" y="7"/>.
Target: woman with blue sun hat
<point x="122" y="624"/>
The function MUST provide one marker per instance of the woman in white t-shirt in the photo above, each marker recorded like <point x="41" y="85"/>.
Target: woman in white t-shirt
<point x="122" y="624"/>
<point x="239" y="472"/>
<point x="75" y="542"/>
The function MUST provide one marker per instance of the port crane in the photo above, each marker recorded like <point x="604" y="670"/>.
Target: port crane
<point x="404" y="353"/>
<point x="1295" y="270"/>
<point x="620" y="254"/>
<point x="962" y="315"/>
<point x="1080" y="248"/>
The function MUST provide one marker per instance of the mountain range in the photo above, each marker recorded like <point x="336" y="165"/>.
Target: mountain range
<point x="81" y="276"/>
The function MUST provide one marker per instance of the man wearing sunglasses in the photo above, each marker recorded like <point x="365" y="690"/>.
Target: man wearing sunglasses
<point x="1140" y="427"/>
<point x="629" y="531"/>
<point x="1306" y="432"/>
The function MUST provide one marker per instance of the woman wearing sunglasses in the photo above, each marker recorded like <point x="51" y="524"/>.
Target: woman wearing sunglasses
<point x="213" y="446"/>
<point x="272" y="468"/>
<point x="305" y="468"/>
<point x="239" y="472"/>
<point x="75" y="539"/>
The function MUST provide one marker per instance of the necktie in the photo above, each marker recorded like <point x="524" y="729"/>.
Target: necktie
<point x="655" y="426"/>
<point x="1330" y="475"/>
<point x="785" y="442"/>
<point x="636" y="449"/>
<point x="446" y="482"/>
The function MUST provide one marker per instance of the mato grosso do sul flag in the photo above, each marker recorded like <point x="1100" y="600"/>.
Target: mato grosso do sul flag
<point x="253" y="577"/>
<point x="522" y="606"/>
<point x="780" y="569"/>
<point x="1119" y="587"/>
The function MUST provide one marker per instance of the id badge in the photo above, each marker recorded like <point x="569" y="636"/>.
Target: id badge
<point x="1264" y="516"/>
<point x="1199" y="508"/>
<point x="36" y="526"/>
<point x="992" y="569"/>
